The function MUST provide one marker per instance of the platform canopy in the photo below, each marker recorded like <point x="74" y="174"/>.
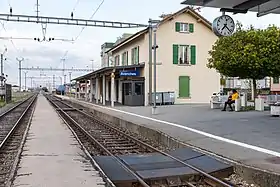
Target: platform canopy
<point x="262" y="7"/>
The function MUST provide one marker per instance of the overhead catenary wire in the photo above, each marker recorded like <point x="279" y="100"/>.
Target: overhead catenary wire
<point x="3" y="26"/>
<point x="83" y="28"/>
<point x="9" y="3"/>
<point x="76" y="4"/>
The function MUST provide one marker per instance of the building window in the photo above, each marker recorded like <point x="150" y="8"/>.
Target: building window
<point x="184" y="54"/>
<point x="125" y="58"/>
<point x="276" y="80"/>
<point x="139" y="88"/>
<point x="184" y="86"/>
<point x="135" y="55"/>
<point x="117" y="60"/>
<point x="184" y="27"/>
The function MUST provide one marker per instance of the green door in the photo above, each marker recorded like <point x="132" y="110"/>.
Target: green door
<point x="184" y="86"/>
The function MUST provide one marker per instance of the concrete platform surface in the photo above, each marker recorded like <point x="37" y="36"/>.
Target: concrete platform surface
<point x="52" y="157"/>
<point x="251" y="138"/>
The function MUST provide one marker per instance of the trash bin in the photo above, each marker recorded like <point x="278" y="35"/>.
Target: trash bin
<point x="168" y="98"/>
<point x="259" y="104"/>
<point x="158" y="98"/>
<point x="275" y="109"/>
<point x="243" y="98"/>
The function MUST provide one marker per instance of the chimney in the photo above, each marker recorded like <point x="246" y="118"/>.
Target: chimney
<point x="163" y="16"/>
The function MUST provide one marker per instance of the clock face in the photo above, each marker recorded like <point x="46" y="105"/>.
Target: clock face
<point x="223" y="26"/>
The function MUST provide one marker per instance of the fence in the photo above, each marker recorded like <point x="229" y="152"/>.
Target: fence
<point x="270" y="99"/>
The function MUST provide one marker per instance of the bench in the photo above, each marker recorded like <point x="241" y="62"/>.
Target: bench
<point x="217" y="102"/>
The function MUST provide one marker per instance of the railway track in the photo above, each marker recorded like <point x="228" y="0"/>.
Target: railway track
<point x="101" y="138"/>
<point x="13" y="129"/>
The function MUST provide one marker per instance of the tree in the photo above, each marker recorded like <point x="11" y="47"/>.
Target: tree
<point x="248" y="54"/>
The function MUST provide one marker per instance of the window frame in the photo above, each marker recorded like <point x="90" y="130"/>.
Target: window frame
<point x="135" y="55"/>
<point x="276" y="80"/>
<point x="117" y="60"/>
<point x="184" y="27"/>
<point x="125" y="58"/>
<point x="186" y="54"/>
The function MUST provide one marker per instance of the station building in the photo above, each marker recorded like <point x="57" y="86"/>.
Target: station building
<point x="183" y="38"/>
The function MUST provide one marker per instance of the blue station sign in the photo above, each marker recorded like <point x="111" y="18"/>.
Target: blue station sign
<point x="130" y="73"/>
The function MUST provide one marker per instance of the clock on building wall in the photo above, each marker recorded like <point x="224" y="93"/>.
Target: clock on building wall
<point x="223" y="26"/>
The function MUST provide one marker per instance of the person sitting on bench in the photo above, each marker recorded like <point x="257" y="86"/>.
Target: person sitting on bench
<point x="231" y="100"/>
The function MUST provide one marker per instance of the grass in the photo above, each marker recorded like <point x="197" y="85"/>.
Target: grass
<point x="247" y="108"/>
<point x="16" y="97"/>
<point x="252" y="108"/>
<point x="2" y="103"/>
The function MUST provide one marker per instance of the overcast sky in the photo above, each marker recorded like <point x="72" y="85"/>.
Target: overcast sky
<point x="87" y="46"/>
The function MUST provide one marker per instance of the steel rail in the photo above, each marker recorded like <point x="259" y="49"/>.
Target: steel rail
<point x="17" y="122"/>
<point x="153" y="148"/>
<point x="85" y="150"/>
<point x="116" y="158"/>
<point x="17" y="158"/>
<point x="14" y="107"/>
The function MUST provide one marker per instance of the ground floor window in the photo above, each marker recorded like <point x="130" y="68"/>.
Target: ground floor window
<point x="276" y="80"/>
<point x="139" y="88"/>
<point x="184" y="86"/>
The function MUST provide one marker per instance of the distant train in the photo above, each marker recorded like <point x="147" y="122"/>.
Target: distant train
<point x="60" y="90"/>
<point x="45" y="89"/>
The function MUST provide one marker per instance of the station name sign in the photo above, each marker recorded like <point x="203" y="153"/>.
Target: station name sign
<point x="129" y="73"/>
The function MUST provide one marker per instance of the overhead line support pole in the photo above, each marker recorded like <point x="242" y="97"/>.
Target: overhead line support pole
<point x="150" y="62"/>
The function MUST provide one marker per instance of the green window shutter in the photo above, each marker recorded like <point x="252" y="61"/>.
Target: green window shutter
<point x="137" y="55"/>
<point x="193" y="55"/>
<point x="184" y="86"/>
<point x="175" y="54"/>
<point x="132" y="56"/>
<point x="177" y="27"/>
<point x="276" y="80"/>
<point x="127" y="58"/>
<point x="122" y="59"/>
<point x="191" y="27"/>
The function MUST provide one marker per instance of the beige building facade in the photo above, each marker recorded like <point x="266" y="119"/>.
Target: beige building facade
<point x="184" y="39"/>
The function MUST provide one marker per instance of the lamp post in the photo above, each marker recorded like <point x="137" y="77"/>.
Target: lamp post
<point x="2" y="76"/>
<point x="25" y="72"/>
<point x="61" y="85"/>
<point x="19" y="68"/>
<point x="154" y="25"/>
<point x="2" y="65"/>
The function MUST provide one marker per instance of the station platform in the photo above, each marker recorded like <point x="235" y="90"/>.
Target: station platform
<point x="52" y="156"/>
<point x="248" y="138"/>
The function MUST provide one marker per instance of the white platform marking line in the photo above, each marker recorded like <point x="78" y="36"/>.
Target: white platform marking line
<point x="244" y="145"/>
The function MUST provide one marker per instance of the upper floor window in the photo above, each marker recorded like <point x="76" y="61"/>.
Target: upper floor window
<point x="125" y="58"/>
<point x="117" y="60"/>
<point x="184" y="27"/>
<point x="184" y="54"/>
<point x="135" y="55"/>
<point x="276" y="80"/>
